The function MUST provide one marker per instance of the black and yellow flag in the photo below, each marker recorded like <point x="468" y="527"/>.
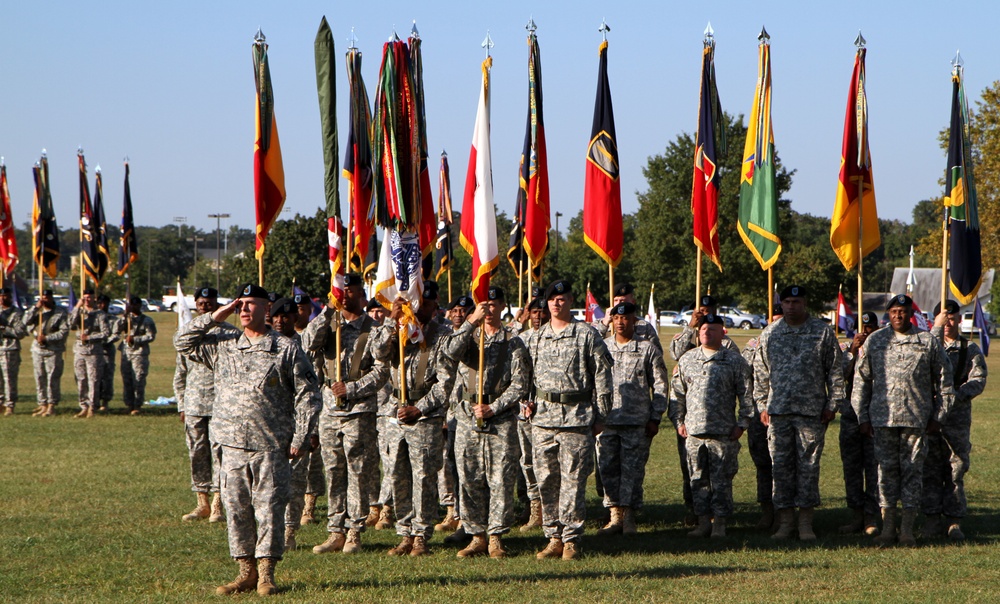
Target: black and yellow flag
<point x="966" y="273"/>
<point x="44" y="231"/>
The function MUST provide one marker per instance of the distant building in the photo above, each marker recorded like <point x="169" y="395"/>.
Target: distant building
<point x="927" y="290"/>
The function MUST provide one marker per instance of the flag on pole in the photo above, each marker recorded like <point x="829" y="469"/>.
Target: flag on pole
<point x="445" y="220"/>
<point x="399" y="276"/>
<point x="960" y="201"/>
<point x="128" y="251"/>
<point x="593" y="312"/>
<point x="479" y="229"/>
<point x="358" y="165"/>
<point x="705" y="182"/>
<point x="427" y="225"/>
<point x="602" y="195"/>
<point x="8" y="242"/>
<point x="845" y="320"/>
<point x="651" y="310"/>
<point x="395" y="143"/>
<point x="182" y="308"/>
<point x="88" y="231"/>
<point x="855" y="172"/>
<point x="268" y="172"/>
<point x="100" y="228"/>
<point x="326" y="87"/>
<point x="758" y="216"/>
<point x="979" y="322"/>
<point x="533" y="194"/>
<point x="44" y="230"/>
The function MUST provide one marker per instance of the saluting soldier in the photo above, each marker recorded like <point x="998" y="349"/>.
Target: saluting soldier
<point x="572" y="380"/>
<point x="538" y="315"/>
<point x="116" y="325"/>
<point x="639" y="401"/>
<point x="140" y="331"/>
<point x="12" y="329"/>
<point x="708" y="383"/>
<point x="47" y="350"/>
<point x="92" y="331"/>
<point x="261" y="418"/>
<point x="486" y="447"/>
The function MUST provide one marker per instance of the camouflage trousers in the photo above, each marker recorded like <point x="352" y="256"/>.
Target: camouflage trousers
<point x="761" y="457"/>
<point x="87" y="368"/>
<point x="857" y="453"/>
<point x="415" y="458"/>
<point x="685" y="477"/>
<point x="205" y="455"/>
<point x="622" y="453"/>
<point x="448" y="475"/>
<point x="527" y="465"/>
<point x="255" y="490"/>
<point x="134" y="371"/>
<point x="387" y="432"/>
<point x="299" y="468"/>
<point x="48" y="375"/>
<point x="564" y="458"/>
<point x="10" y="366"/>
<point x="487" y="474"/>
<point x="108" y="376"/>
<point x="946" y="464"/>
<point x="316" y="483"/>
<point x="712" y="463"/>
<point x="796" y="445"/>
<point x="900" y="454"/>
<point x="347" y="443"/>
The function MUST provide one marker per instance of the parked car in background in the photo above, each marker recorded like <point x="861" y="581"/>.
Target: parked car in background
<point x="667" y="318"/>
<point x="967" y="327"/>
<point x="743" y="320"/>
<point x="152" y="306"/>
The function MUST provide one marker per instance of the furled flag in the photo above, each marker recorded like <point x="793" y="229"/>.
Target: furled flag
<point x="182" y="308"/>
<point x="979" y="322"/>
<point x="845" y="320"/>
<point x="758" y="216"/>
<point x="705" y="182"/>
<point x="8" y="242"/>
<point x="443" y="245"/>
<point x="855" y="178"/>
<point x="128" y="251"/>
<point x="358" y="165"/>
<point x="516" y="256"/>
<point x="326" y="87"/>
<point x="398" y="276"/>
<point x="593" y="312"/>
<point x="100" y="227"/>
<point x="961" y="204"/>
<point x="651" y="309"/>
<point x="93" y="259"/>
<point x="268" y="172"/>
<point x="533" y="196"/>
<point x="479" y="228"/>
<point x="427" y="225"/>
<point x="44" y="230"/>
<point x="602" y="195"/>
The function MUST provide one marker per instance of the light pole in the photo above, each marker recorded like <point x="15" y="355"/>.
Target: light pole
<point x="218" y="258"/>
<point x="194" y="272"/>
<point x="558" y="237"/>
<point x="180" y="220"/>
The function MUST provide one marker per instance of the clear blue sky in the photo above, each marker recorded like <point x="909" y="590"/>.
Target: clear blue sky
<point x="170" y="85"/>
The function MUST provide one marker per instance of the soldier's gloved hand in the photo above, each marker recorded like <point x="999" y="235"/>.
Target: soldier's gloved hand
<point x="482" y="411"/>
<point x="607" y="317"/>
<point x="598" y="428"/>
<point x="933" y="427"/>
<point x="865" y="429"/>
<point x="652" y="428"/>
<point x="339" y="389"/>
<point x="736" y="433"/>
<point x="827" y="416"/>
<point x="765" y="418"/>
<point x="682" y="431"/>
<point x="408" y="414"/>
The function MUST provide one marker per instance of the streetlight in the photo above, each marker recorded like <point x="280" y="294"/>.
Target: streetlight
<point x="218" y="259"/>
<point x="180" y="220"/>
<point x="194" y="273"/>
<point x="558" y="237"/>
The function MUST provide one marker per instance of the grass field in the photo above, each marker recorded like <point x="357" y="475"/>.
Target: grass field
<point x="90" y="511"/>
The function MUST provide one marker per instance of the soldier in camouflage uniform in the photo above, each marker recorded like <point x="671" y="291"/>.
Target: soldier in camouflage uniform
<point x="116" y="325"/>
<point x="638" y="403"/>
<point x="707" y="384"/>
<point x="388" y="431"/>
<point x="757" y="444"/>
<point x="92" y="331"/>
<point x="140" y="331"/>
<point x="12" y="329"/>
<point x="266" y="389"/>
<point x="857" y="451"/>
<point x="572" y="379"/>
<point x="47" y="350"/>
<point x="538" y="315"/>
<point x="911" y="366"/>
<point x="416" y="451"/>
<point x="194" y="389"/>
<point x="486" y="433"/>
<point x="948" y="452"/>
<point x="315" y="482"/>
<point x="798" y="387"/>
<point x="348" y="435"/>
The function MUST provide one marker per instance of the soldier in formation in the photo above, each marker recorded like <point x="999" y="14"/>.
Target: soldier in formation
<point x="12" y="329"/>
<point x="757" y="443"/>
<point x="116" y="325"/>
<point x="538" y="315"/>
<point x="138" y="332"/>
<point x="92" y="331"/>
<point x="315" y="481"/>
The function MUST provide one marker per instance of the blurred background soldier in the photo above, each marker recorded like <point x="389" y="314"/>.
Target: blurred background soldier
<point x="47" y="350"/>
<point x="757" y="444"/>
<point x="538" y="315"/>
<point x="92" y="331"/>
<point x="388" y="431"/>
<point x="315" y="480"/>
<point x="116" y="325"/>
<point x="140" y="331"/>
<point x="642" y="331"/>
<point x="12" y="329"/>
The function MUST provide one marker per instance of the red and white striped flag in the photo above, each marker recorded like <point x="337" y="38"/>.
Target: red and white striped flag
<point x="334" y="231"/>
<point x="479" y="230"/>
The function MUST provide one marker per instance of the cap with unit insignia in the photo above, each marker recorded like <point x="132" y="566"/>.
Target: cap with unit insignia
<point x="558" y="288"/>
<point x="625" y="308"/>
<point x="537" y="304"/>
<point x="273" y="297"/>
<point x="430" y="290"/>
<point x="351" y="279"/>
<point x="253" y="291"/>
<point x="536" y="291"/>
<point x="869" y="318"/>
<point x="950" y="306"/>
<point x="900" y="300"/>
<point x="711" y="319"/>
<point x="302" y="299"/>
<point x="708" y="300"/>
<point x="495" y="293"/>
<point x="793" y="291"/>
<point x="206" y="292"/>
<point x="283" y="306"/>
<point x="461" y="302"/>
<point x="625" y="289"/>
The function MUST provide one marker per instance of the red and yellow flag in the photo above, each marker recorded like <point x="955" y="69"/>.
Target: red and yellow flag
<point x="268" y="172"/>
<point x="8" y="242"/>
<point x="602" y="194"/>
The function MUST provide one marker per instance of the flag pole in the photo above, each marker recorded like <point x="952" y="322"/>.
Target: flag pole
<point x="402" y="365"/>
<point x="836" y="322"/>
<point x="482" y="366"/>
<point x="859" y="42"/>
<point x="861" y="250"/>
<point x="697" y="279"/>
<point x="770" y="295"/>
<point x="611" y="284"/>
<point x="449" y="275"/>
<point x="944" y="259"/>
<point x="520" y="278"/>
<point x="260" y="270"/>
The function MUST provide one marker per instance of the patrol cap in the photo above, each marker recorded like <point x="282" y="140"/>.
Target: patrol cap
<point x="869" y="318"/>
<point x="495" y="293"/>
<point x="253" y="291"/>
<point x="708" y="300"/>
<point x="353" y="279"/>
<point x="206" y="292"/>
<point x="625" y="289"/>
<point x="900" y="300"/>
<point x="950" y="306"/>
<point x="625" y="308"/>
<point x="711" y="319"/>
<point x="102" y="298"/>
<point x="136" y="300"/>
<point x="430" y="290"/>
<point x="558" y="288"/>
<point x="284" y="306"/>
<point x="793" y="291"/>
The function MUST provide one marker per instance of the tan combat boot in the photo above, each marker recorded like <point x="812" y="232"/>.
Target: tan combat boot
<point x="571" y="550"/>
<point x="450" y="522"/>
<point x="704" y="527"/>
<point x="871" y="524"/>
<point x="496" y="548"/>
<point x="953" y="529"/>
<point x="309" y="511"/>
<point x="477" y="547"/>
<point x="199" y="512"/>
<point x="39" y="410"/>
<point x="553" y="550"/>
<point x="90" y="412"/>
<point x="373" y="515"/>
<point x="290" y="544"/>
<point x="82" y="413"/>
<point x="404" y="548"/>
<point x="718" y="527"/>
<point x="855" y="525"/>
<point x="216" y="514"/>
<point x="888" y="536"/>
<point x="806" y="525"/>
<point x="786" y="523"/>
<point x="265" y="576"/>
<point x="50" y="410"/>
<point x="906" y="538"/>
<point x="419" y="547"/>
<point x="384" y="518"/>
<point x="535" y="518"/>
<point x="353" y="543"/>
<point x="614" y="526"/>
<point x="628" y="522"/>
<point x="334" y="543"/>
<point x="8" y="411"/>
<point x="245" y="581"/>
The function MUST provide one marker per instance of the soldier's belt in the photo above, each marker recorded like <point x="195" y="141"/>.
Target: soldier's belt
<point x="473" y="397"/>
<point x="412" y="396"/>
<point x="582" y="396"/>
